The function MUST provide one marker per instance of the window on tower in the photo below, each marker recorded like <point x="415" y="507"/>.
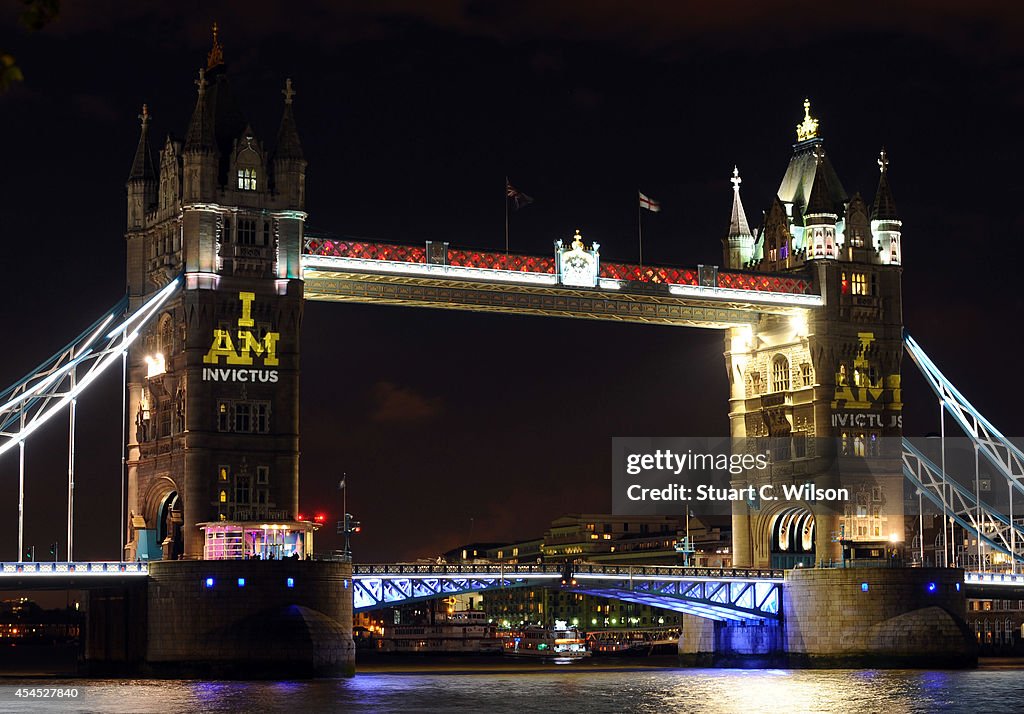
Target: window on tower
<point x="246" y="179"/>
<point x="858" y="284"/>
<point x="780" y="374"/>
<point x="243" y="416"/>
<point x="246" y="231"/>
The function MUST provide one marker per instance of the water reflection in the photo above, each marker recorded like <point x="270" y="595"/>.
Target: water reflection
<point x="562" y="689"/>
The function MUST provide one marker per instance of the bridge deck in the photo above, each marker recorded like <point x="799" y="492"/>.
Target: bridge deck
<point x="347" y="271"/>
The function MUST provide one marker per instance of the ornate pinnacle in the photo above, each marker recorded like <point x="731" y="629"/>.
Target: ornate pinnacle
<point x="144" y="117"/>
<point x="288" y="92"/>
<point x="819" y="154"/>
<point x="808" y="128"/>
<point x="216" y="55"/>
<point x="736" y="180"/>
<point x="883" y="161"/>
<point x="201" y="82"/>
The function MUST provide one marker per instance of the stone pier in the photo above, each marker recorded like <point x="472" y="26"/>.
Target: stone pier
<point x="832" y="617"/>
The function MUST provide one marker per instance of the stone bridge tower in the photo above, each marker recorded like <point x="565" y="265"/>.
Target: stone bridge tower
<point x="213" y="443"/>
<point x="821" y="391"/>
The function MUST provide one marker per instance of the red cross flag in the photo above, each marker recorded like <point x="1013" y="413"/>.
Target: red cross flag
<point x="649" y="203"/>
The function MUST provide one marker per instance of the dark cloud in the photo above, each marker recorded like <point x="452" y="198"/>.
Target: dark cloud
<point x="397" y="404"/>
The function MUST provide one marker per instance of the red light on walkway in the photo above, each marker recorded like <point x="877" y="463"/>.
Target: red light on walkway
<point x="300" y="517"/>
<point x="320" y="518"/>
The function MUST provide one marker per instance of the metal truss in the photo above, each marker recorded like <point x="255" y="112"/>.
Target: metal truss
<point x="711" y="599"/>
<point x="996" y="448"/>
<point x="28" y="404"/>
<point x="714" y="593"/>
<point x="978" y="518"/>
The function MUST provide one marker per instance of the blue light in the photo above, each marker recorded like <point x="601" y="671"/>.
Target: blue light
<point x="290" y="582"/>
<point x="932" y="587"/>
<point x="958" y="587"/>
<point x="863" y="587"/>
<point x="209" y="582"/>
<point x="241" y="582"/>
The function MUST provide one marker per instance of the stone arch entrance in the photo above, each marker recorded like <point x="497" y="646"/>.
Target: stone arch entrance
<point x="169" y="521"/>
<point x="792" y="538"/>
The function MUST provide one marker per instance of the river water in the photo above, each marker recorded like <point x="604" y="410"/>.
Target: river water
<point x="990" y="689"/>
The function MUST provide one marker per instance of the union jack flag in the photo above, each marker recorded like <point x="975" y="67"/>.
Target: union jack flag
<point x="518" y="198"/>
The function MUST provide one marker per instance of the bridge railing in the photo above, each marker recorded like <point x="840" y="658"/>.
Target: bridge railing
<point x="83" y="568"/>
<point x="554" y="569"/>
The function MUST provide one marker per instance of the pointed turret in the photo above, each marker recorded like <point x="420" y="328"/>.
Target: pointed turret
<point x="289" y="162"/>
<point x="738" y="245"/>
<point x="288" y="144"/>
<point x="885" y="223"/>
<point x="142" y="178"/>
<point x="804" y="167"/>
<point x="200" y="134"/>
<point x="820" y="215"/>
<point x="884" y="208"/>
<point x="142" y="166"/>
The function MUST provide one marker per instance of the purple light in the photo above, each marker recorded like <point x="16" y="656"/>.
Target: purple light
<point x="932" y="587"/>
<point x="209" y="582"/>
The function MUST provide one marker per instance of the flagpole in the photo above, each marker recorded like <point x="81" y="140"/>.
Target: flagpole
<point x="640" y="228"/>
<point x="506" y="215"/>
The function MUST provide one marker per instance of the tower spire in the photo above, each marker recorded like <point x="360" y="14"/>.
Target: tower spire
<point x="215" y="57"/>
<point x="738" y="226"/>
<point x="288" y="144"/>
<point x="200" y="134"/>
<point x="884" y="208"/>
<point x="143" y="166"/>
<point x="738" y="245"/>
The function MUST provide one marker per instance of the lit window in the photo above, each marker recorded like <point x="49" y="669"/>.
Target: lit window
<point x="806" y="376"/>
<point x="780" y="374"/>
<point x="223" y="472"/>
<point x="223" y="417"/>
<point x="859" y="284"/>
<point x="223" y="496"/>
<point x="858" y="444"/>
<point x="247" y="179"/>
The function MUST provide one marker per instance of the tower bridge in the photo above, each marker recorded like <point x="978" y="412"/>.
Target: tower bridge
<point x="219" y="264"/>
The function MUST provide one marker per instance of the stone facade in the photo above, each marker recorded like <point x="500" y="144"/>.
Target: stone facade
<point x="214" y="382"/>
<point x="821" y="389"/>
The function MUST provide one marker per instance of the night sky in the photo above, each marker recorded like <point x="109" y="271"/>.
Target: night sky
<point x="454" y="426"/>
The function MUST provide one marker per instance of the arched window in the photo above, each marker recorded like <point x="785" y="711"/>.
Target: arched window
<point x="247" y="179"/>
<point x="780" y="374"/>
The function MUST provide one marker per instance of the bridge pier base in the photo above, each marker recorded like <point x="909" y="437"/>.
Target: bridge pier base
<point x="834" y="617"/>
<point x="250" y="619"/>
<point x="710" y="643"/>
<point x="877" y="617"/>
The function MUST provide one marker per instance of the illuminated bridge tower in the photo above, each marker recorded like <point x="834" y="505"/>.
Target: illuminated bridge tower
<point x="822" y="391"/>
<point x="213" y="443"/>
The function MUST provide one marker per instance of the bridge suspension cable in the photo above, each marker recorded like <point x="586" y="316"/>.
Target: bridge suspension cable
<point x="959" y="504"/>
<point x="995" y="447"/>
<point x="57" y="382"/>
